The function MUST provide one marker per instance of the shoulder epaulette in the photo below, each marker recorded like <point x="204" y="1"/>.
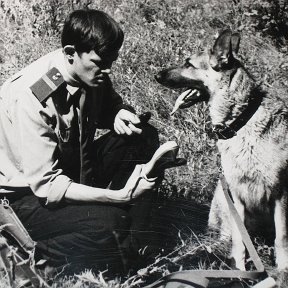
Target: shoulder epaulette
<point x="47" y="84"/>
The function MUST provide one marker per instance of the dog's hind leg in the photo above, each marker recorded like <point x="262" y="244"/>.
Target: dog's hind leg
<point x="281" y="240"/>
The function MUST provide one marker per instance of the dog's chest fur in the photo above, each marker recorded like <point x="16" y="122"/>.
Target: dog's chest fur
<point x="257" y="157"/>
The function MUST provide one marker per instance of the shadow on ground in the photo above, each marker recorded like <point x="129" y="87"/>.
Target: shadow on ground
<point x="174" y="220"/>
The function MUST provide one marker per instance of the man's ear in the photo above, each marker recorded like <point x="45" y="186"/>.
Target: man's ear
<point x="224" y="47"/>
<point x="69" y="51"/>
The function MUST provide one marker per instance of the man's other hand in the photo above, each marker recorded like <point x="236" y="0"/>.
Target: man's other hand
<point x="125" y="122"/>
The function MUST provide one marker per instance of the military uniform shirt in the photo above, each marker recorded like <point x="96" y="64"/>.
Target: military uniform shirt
<point x="38" y="133"/>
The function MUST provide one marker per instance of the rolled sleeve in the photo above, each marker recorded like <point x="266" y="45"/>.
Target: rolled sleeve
<point x="38" y="147"/>
<point x="57" y="190"/>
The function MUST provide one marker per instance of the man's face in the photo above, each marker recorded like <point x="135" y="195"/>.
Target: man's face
<point x="91" y="69"/>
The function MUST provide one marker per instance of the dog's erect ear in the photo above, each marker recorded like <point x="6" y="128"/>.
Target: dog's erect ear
<point x="235" y="42"/>
<point x="224" y="47"/>
<point x="222" y="43"/>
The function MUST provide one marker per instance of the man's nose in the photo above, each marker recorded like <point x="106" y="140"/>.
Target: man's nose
<point x="106" y="71"/>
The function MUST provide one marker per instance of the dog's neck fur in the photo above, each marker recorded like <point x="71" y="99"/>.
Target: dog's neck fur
<point x="233" y="104"/>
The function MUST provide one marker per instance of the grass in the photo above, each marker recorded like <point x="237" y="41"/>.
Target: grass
<point x="159" y="34"/>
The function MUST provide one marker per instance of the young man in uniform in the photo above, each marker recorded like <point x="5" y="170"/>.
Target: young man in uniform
<point x="73" y="193"/>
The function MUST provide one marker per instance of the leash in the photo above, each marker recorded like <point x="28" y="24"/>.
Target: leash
<point x="201" y="278"/>
<point x="245" y="236"/>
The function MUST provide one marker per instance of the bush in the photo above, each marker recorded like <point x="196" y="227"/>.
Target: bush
<point x="271" y="18"/>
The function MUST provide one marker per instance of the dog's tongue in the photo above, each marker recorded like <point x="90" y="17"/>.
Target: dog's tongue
<point x="181" y="99"/>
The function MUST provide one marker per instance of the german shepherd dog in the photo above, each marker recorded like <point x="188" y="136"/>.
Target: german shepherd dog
<point x="252" y="129"/>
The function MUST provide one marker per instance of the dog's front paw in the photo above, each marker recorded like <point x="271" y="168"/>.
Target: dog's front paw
<point x="236" y="264"/>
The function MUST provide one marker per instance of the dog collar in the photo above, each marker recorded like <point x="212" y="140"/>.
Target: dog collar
<point x="229" y="131"/>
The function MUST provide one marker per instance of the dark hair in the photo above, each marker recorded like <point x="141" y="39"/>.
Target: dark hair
<point x="92" y="30"/>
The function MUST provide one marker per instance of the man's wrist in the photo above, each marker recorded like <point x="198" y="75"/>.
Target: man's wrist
<point x="117" y="196"/>
<point x="126" y="107"/>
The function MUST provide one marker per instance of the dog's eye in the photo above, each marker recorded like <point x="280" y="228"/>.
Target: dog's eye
<point x="188" y="63"/>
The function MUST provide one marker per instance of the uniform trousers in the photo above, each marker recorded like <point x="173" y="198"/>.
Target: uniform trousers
<point x="96" y="236"/>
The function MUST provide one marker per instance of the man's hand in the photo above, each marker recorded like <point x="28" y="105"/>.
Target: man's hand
<point x="136" y="185"/>
<point x="125" y="122"/>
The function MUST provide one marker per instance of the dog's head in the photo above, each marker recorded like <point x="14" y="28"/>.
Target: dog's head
<point x="202" y="73"/>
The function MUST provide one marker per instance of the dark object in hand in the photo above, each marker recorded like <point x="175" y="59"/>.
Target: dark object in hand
<point x="144" y="118"/>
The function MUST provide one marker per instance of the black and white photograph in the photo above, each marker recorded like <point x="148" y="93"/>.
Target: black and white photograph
<point x="144" y="144"/>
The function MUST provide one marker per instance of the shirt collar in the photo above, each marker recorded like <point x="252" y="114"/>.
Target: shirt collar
<point x="72" y="89"/>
